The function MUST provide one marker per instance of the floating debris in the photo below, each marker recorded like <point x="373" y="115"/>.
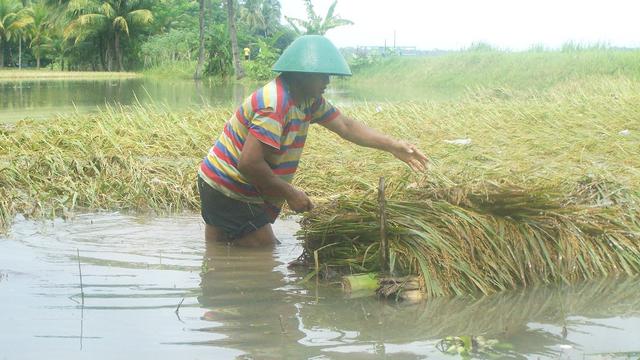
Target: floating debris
<point x="465" y="141"/>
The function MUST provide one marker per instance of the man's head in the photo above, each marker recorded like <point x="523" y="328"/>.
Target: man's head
<point x="310" y="85"/>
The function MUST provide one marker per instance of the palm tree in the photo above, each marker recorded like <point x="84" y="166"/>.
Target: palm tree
<point x="13" y="19"/>
<point x="271" y="12"/>
<point x="314" y="24"/>
<point x="58" y="20"/>
<point x="60" y="47"/>
<point x="110" y="18"/>
<point x="234" y="39"/>
<point x="261" y="16"/>
<point x="251" y="15"/>
<point x="39" y="31"/>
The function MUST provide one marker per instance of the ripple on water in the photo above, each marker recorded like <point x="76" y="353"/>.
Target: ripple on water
<point x="245" y="302"/>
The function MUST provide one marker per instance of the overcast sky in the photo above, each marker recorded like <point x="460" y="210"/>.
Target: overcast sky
<point x="455" y="24"/>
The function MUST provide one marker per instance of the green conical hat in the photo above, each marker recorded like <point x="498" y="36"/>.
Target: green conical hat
<point x="312" y="54"/>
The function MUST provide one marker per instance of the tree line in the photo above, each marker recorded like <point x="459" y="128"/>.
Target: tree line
<point x="133" y="35"/>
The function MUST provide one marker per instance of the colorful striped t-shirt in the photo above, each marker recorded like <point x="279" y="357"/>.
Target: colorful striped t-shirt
<point x="272" y="117"/>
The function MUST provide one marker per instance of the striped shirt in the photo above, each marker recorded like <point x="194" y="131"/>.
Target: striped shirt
<point x="272" y="117"/>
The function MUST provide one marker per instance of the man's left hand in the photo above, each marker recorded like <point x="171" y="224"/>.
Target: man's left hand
<point x="411" y="155"/>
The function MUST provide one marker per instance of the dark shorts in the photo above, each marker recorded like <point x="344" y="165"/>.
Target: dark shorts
<point x="235" y="218"/>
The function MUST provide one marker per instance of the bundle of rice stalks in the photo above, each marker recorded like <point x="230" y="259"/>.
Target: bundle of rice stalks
<point x="485" y="237"/>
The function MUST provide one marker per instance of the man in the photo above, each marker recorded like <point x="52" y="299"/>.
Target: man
<point x="246" y="176"/>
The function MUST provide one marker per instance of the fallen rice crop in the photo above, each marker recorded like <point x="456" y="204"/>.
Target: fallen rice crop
<point x="572" y="151"/>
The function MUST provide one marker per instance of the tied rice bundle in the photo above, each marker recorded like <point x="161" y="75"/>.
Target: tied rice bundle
<point x="484" y="237"/>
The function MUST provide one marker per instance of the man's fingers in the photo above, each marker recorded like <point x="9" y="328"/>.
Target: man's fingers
<point x="422" y="156"/>
<point x="419" y="165"/>
<point x="412" y="149"/>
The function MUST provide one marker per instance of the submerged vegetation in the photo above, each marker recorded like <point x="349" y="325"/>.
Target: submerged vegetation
<point x="507" y="317"/>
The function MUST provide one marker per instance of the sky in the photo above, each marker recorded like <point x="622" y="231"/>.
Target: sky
<point x="456" y="24"/>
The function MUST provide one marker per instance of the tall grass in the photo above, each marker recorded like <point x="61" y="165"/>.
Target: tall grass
<point x="173" y="70"/>
<point x="523" y="137"/>
<point x="451" y="74"/>
<point x="482" y="238"/>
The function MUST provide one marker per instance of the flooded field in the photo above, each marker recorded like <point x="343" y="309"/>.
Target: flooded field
<point x="152" y="288"/>
<point x="42" y="99"/>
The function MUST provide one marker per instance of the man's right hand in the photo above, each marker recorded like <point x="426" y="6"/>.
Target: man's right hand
<point x="299" y="201"/>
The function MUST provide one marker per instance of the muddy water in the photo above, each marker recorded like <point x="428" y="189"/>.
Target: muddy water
<point x="246" y="304"/>
<point x="43" y="99"/>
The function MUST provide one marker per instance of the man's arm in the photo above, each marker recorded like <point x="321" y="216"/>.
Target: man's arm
<point x="360" y="134"/>
<point x="254" y="167"/>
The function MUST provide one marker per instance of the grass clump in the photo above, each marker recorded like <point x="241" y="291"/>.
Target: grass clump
<point x="173" y="70"/>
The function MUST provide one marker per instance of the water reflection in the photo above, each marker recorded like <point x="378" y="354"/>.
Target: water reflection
<point x="245" y="303"/>
<point x="244" y="296"/>
<point x="529" y="322"/>
<point x="42" y="99"/>
<point x="260" y="313"/>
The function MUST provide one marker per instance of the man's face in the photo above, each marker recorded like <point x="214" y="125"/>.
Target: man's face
<point x="315" y="84"/>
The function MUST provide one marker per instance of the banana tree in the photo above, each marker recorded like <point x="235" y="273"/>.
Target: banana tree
<point x="315" y="24"/>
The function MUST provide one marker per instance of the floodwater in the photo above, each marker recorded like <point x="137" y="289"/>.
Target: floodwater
<point x="153" y="289"/>
<point x="42" y="99"/>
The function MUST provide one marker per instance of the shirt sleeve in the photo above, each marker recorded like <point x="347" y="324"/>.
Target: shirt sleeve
<point x="323" y="111"/>
<point x="266" y="126"/>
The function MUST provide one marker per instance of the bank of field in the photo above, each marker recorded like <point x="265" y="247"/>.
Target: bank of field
<point x="46" y="74"/>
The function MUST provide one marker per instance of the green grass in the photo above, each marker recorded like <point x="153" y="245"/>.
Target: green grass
<point x="450" y="75"/>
